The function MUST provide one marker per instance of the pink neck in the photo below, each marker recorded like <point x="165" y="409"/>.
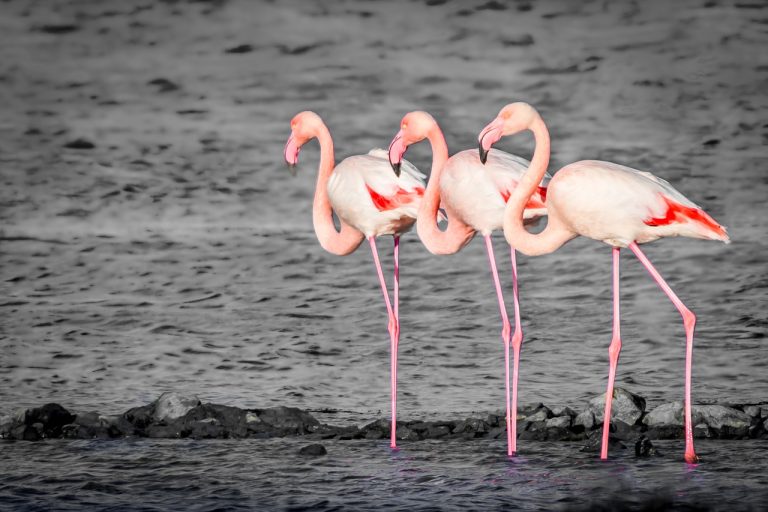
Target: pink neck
<point x="458" y="234"/>
<point x="335" y="242"/>
<point x="554" y="235"/>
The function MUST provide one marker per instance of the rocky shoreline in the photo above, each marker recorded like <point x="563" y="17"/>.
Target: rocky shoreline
<point x="174" y="415"/>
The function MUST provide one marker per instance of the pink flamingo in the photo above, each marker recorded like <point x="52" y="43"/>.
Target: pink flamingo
<point x="369" y="202"/>
<point x="473" y="195"/>
<point x="620" y="206"/>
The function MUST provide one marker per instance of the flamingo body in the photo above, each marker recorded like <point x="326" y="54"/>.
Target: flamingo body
<point x="478" y="193"/>
<point x="619" y="205"/>
<point x="366" y="194"/>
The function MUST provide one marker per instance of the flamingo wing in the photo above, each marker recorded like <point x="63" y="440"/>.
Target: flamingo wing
<point x="506" y="170"/>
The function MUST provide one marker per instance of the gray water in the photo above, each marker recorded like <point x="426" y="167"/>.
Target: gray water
<point x="178" y="253"/>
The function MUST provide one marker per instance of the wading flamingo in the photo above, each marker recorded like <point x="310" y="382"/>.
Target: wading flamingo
<point x="369" y="202"/>
<point x="610" y="203"/>
<point x="473" y="195"/>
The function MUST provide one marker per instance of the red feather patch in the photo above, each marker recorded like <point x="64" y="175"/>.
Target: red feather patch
<point x="535" y="201"/>
<point x="677" y="213"/>
<point x="400" y="198"/>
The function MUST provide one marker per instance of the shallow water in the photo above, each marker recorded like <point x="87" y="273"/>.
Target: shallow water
<point x="365" y="475"/>
<point x="178" y="253"/>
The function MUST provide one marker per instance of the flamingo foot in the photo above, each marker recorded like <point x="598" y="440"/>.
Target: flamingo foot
<point x="691" y="457"/>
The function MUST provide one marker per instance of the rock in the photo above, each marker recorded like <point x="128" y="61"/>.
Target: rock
<point x="528" y="409"/>
<point x="558" y="434"/>
<point x="52" y="417"/>
<point x="289" y="420"/>
<point x="242" y="48"/>
<point x="172" y="405"/>
<point x="88" y="425"/>
<point x="24" y="433"/>
<point x="215" y="421"/>
<point x="80" y="143"/>
<point x="622" y="431"/>
<point x="644" y="448"/>
<point x="438" y="431"/>
<point x="585" y="420"/>
<point x="404" y="433"/>
<point x="541" y="414"/>
<point x="140" y="417"/>
<point x="702" y="431"/>
<point x="728" y="422"/>
<point x="313" y="450"/>
<point x="665" y="432"/>
<point x="625" y="406"/>
<point x="752" y="411"/>
<point x="559" y="422"/>
<point x="594" y="443"/>
<point x="163" y="85"/>
<point x="563" y="411"/>
<point x="381" y="425"/>
<point x="665" y="415"/>
<point x="374" y="434"/>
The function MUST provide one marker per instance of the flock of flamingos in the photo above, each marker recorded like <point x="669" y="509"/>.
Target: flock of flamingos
<point x="380" y="193"/>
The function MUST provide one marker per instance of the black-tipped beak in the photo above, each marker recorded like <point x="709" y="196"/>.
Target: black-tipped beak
<point x="396" y="149"/>
<point x="292" y="169"/>
<point x="483" y="152"/>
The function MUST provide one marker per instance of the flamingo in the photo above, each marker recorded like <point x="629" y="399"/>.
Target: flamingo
<point x="370" y="202"/>
<point x="610" y="203"/>
<point x="473" y="195"/>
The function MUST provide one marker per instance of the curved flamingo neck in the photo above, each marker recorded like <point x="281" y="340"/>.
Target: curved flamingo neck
<point x="458" y="234"/>
<point x="348" y="239"/>
<point x="554" y="235"/>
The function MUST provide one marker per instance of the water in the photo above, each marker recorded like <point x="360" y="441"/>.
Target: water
<point x="365" y="475"/>
<point x="179" y="254"/>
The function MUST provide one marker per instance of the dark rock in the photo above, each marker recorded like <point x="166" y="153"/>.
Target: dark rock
<point x="162" y="431"/>
<point x="24" y="433"/>
<point x="380" y="425"/>
<point x="474" y="426"/>
<point x="80" y="143"/>
<point x="541" y="414"/>
<point x="533" y="435"/>
<point x="728" y="422"/>
<point x="163" y="85"/>
<point x="624" y="432"/>
<point x="242" y="48"/>
<point x="437" y="431"/>
<point x="625" y="406"/>
<point x="289" y="420"/>
<point x="172" y="405"/>
<point x="558" y="434"/>
<point x="59" y="28"/>
<point x="665" y="432"/>
<point x="644" y="448"/>
<point x="526" y="410"/>
<point x="375" y="434"/>
<point x="52" y="417"/>
<point x="406" y="434"/>
<point x="140" y="417"/>
<point x="88" y="425"/>
<point x="702" y="431"/>
<point x="214" y="421"/>
<point x="563" y="411"/>
<point x="594" y="443"/>
<point x="313" y="450"/>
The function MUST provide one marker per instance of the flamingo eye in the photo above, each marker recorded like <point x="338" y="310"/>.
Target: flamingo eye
<point x="404" y="126"/>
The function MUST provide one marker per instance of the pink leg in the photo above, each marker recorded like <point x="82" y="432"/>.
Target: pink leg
<point x="511" y="438"/>
<point x="689" y="322"/>
<point x="394" y="335"/>
<point x="517" y="342"/>
<point x="396" y="342"/>
<point x="613" y="355"/>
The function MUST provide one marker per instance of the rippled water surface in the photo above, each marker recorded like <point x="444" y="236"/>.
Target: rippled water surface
<point x="178" y="253"/>
<point x="365" y="475"/>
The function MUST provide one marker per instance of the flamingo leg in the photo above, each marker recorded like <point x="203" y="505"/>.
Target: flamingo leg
<point x="517" y="342"/>
<point x="613" y="355"/>
<point x="505" y="331"/>
<point x="394" y="334"/>
<point x="689" y="322"/>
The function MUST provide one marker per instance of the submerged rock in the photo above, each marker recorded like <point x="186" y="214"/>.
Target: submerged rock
<point x="595" y="441"/>
<point x="644" y="448"/>
<point x="313" y="450"/>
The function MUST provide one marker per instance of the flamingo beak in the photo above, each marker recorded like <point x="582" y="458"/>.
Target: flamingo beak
<point x="488" y="137"/>
<point x="396" y="150"/>
<point x="291" y="154"/>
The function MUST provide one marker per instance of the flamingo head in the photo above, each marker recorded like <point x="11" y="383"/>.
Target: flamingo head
<point x="512" y="119"/>
<point x="414" y="128"/>
<point x="304" y="127"/>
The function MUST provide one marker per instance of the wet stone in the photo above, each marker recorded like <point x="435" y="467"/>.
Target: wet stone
<point x="702" y="431"/>
<point x="585" y="420"/>
<point x="173" y="405"/>
<point x="644" y="448"/>
<point x="140" y="417"/>
<point x="541" y="414"/>
<point x="313" y="450"/>
<point x="594" y="443"/>
<point x="289" y="419"/>
<point x="437" y="431"/>
<point x="730" y="423"/>
<point x="404" y="433"/>
<point x="752" y="411"/>
<point x="563" y="411"/>
<point x="52" y="417"/>
<point x="669" y="414"/>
